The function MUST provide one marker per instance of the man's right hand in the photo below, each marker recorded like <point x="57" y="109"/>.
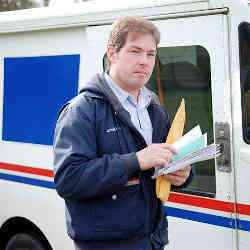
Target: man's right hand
<point x="159" y="154"/>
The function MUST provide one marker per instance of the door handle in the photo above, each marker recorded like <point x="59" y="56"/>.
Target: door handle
<point x="222" y="137"/>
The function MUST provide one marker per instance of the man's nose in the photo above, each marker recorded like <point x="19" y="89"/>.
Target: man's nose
<point x="144" y="58"/>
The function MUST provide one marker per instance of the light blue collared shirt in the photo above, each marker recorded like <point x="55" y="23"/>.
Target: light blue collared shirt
<point x="138" y="111"/>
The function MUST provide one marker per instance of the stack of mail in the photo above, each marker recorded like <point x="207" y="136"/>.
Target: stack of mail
<point x="191" y="148"/>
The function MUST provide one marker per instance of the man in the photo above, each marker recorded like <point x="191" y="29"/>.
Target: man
<point x="107" y="142"/>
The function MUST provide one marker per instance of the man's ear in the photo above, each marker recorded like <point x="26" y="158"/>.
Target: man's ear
<point x="111" y="54"/>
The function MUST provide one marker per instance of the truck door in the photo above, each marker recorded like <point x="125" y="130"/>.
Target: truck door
<point x="242" y="136"/>
<point x="193" y="64"/>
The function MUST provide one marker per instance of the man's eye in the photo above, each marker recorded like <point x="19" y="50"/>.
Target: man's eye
<point x="134" y="51"/>
<point x="151" y="54"/>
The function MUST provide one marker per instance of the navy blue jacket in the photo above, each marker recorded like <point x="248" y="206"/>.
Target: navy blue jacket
<point x="95" y="147"/>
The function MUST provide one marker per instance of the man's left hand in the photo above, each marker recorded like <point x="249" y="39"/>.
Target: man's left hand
<point x="178" y="177"/>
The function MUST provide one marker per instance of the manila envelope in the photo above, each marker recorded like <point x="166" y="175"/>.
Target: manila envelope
<point x="163" y="186"/>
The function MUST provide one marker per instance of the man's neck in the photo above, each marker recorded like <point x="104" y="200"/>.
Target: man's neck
<point x="134" y="93"/>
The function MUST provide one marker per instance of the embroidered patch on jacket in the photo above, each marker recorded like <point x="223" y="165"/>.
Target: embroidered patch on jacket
<point x="134" y="181"/>
<point x="110" y="130"/>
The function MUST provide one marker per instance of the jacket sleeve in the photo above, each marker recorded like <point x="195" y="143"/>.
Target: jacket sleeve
<point x="78" y="172"/>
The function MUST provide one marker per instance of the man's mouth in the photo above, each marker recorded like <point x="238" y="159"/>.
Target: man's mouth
<point x="142" y="73"/>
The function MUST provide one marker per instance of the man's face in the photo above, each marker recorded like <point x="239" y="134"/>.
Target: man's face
<point x="132" y="66"/>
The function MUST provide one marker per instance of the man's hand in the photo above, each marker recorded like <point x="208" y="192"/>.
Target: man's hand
<point x="159" y="154"/>
<point x="178" y="177"/>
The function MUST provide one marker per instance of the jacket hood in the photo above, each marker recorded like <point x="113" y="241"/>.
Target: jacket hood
<point x="94" y="86"/>
<point x="98" y="87"/>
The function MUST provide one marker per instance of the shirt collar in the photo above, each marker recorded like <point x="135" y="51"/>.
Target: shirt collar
<point x="119" y="92"/>
<point x="123" y="96"/>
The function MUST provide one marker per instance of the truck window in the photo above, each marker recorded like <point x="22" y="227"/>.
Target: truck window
<point x="244" y="45"/>
<point x="184" y="72"/>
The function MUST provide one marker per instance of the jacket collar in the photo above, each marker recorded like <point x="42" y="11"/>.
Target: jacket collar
<point x="99" y="88"/>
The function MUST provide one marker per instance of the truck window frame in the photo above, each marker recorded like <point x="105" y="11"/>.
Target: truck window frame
<point x="244" y="51"/>
<point x="196" y="62"/>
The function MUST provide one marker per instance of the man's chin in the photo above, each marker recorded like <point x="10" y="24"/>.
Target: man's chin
<point x="141" y="80"/>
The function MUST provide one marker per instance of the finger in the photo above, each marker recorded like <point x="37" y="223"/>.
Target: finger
<point x="187" y="168"/>
<point x="186" y="171"/>
<point x="180" y="173"/>
<point x="183" y="171"/>
<point x="168" y="156"/>
<point x="174" y="179"/>
<point x="162" y="162"/>
<point x="165" y="154"/>
<point x="170" y="147"/>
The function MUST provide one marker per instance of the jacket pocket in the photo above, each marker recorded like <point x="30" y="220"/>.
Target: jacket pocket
<point x="124" y="210"/>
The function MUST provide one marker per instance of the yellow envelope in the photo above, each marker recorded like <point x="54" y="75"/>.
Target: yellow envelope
<point x="162" y="185"/>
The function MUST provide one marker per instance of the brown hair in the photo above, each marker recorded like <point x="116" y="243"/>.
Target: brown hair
<point x="126" y="25"/>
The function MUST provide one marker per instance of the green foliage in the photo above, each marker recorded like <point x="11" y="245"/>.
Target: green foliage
<point x="7" y="5"/>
